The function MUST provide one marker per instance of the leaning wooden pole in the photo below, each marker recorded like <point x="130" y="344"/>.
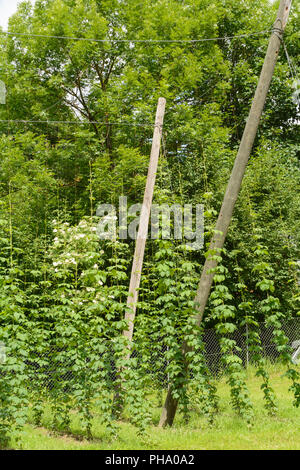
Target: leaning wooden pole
<point x="233" y="188"/>
<point x="138" y="258"/>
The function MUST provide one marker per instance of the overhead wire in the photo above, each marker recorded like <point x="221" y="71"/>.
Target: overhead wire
<point x="123" y="123"/>
<point x="292" y="68"/>
<point x="55" y="122"/>
<point x="104" y="123"/>
<point x="294" y="75"/>
<point x="74" y="38"/>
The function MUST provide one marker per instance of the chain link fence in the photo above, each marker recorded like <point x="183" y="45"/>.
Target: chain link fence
<point x="56" y="368"/>
<point x="213" y="354"/>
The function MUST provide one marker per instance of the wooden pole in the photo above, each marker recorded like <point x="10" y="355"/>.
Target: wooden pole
<point x="138" y="258"/>
<point x="234" y="184"/>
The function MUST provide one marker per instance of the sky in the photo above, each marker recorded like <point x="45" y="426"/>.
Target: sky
<point x="7" y="8"/>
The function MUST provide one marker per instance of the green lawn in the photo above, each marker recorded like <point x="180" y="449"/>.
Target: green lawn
<point x="229" y="431"/>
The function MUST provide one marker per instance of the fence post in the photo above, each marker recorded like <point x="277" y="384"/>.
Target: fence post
<point x="247" y="349"/>
<point x="137" y="264"/>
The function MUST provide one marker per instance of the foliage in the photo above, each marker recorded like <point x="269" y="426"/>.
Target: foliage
<point x="90" y="109"/>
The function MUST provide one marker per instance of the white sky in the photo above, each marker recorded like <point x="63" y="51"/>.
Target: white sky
<point x="7" y="8"/>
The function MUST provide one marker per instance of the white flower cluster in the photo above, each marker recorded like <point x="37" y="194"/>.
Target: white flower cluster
<point x="90" y="289"/>
<point x="76" y="246"/>
<point x="65" y="261"/>
<point x="79" y="236"/>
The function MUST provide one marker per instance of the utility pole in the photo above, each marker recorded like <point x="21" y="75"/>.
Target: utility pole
<point x="234" y="184"/>
<point x="138" y="258"/>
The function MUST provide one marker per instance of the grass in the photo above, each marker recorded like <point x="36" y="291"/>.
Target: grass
<point x="229" y="432"/>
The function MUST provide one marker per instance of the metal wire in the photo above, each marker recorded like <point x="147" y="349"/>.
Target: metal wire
<point x="120" y="123"/>
<point x="154" y="41"/>
<point x="290" y="63"/>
